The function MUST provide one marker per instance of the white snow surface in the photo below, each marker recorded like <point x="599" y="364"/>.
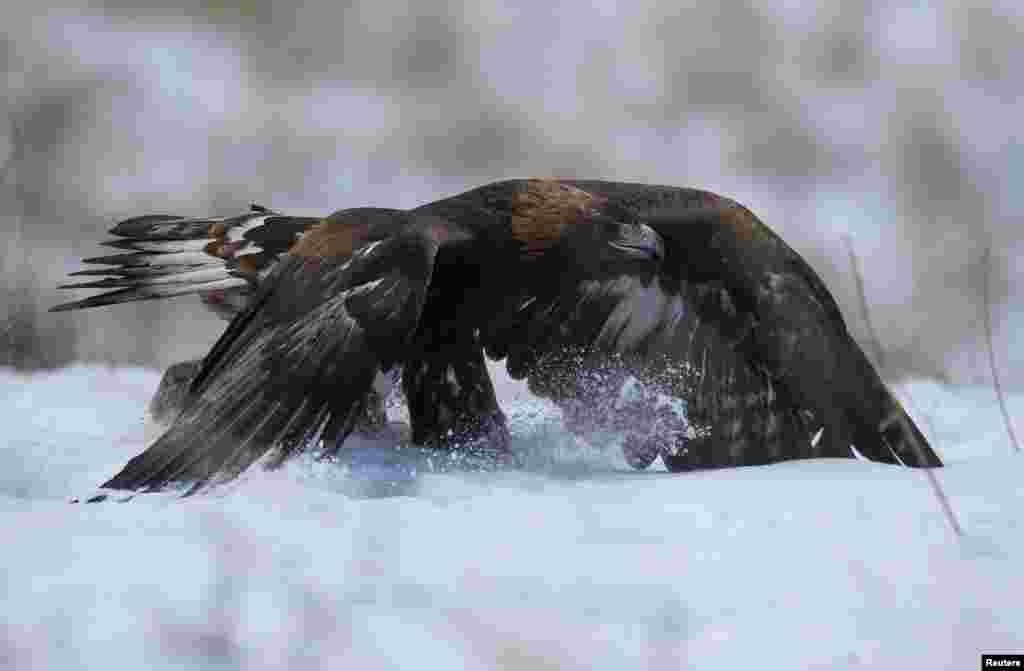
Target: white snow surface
<point x="575" y="562"/>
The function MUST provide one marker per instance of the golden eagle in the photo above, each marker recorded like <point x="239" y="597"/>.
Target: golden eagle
<point x="612" y="299"/>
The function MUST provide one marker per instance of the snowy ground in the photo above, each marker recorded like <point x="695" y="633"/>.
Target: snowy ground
<point x="576" y="563"/>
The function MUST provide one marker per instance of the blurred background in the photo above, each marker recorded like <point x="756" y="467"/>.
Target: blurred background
<point x="892" y="125"/>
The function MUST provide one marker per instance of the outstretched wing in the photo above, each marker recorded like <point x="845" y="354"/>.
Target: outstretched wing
<point x="300" y="357"/>
<point x="797" y="337"/>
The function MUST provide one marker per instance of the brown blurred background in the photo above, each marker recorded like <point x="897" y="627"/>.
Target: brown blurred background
<point x="895" y="123"/>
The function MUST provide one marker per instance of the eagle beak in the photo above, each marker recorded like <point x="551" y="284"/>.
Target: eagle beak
<point x="640" y="241"/>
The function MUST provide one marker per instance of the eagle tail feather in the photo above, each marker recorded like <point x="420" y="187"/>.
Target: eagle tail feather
<point x="165" y="256"/>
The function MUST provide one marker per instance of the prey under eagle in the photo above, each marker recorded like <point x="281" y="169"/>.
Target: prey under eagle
<point x="583" y="287"/>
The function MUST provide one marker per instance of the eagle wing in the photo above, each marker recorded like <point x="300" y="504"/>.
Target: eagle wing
<point x="797" y="337"/>
<point x="296" y="362"/>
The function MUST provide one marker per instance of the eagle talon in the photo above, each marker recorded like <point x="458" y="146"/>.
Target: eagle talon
<point x="685" y="457"/>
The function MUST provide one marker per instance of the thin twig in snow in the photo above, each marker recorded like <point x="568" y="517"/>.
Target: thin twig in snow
<point x="876" y="343"/>
<point x="986" y="260"/>
<point x="940" y="494"/>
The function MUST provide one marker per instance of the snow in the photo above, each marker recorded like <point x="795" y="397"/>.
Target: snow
<point x="575" y="562"/>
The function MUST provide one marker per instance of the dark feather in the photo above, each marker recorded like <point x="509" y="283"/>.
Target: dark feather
<point x="163" y="227"/>
<point x="153" y="292"/>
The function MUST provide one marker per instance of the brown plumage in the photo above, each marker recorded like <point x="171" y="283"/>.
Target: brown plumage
<point x="541" y="211"/>
<point x="585" y="288"/>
